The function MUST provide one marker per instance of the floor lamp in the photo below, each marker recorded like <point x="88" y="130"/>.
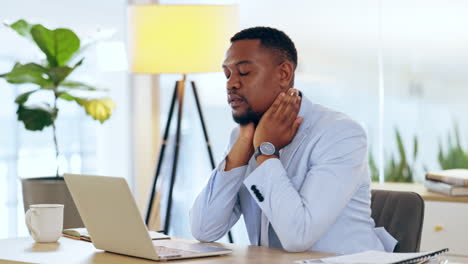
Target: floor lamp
<point x="179" y="39"/>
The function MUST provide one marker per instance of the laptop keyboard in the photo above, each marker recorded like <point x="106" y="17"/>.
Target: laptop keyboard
<point x="165" y="252"/>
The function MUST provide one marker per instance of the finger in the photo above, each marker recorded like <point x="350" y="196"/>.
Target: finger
<point x="288" y="114"/>
<point x="281" y="104"/>
<point x="293" y="92"/>
<point x="276" y="104"/>
<point x="296" y="124"/>
<point x="294" y="111"/>
<point x="284" y="104"/>
<point x="291" y="111"/>
<point x="297" y="102"/>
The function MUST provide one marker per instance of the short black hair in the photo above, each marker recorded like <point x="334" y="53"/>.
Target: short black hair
<point x="271" y="38"/>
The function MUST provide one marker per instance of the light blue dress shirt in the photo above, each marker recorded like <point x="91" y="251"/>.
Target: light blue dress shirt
<point x="315" y="197"/>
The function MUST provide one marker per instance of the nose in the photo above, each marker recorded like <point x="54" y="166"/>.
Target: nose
<point x="233" y="83"/>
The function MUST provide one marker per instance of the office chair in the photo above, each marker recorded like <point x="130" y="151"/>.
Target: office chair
<point x="402" y="214"/>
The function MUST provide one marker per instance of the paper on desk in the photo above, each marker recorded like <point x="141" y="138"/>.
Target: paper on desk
<point x="157" y="235"/>
<point x="308" y="261"/>
<point x="366" y="257"/>
<point x="5" y="261"/>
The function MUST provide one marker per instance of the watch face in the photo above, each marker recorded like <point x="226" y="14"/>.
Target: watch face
<point x="267" y="148"/>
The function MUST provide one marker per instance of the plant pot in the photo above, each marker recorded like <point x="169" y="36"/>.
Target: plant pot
<point x="51" y="190"/>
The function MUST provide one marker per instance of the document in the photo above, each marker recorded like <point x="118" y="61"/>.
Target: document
<point x="82" y="234"/>
<point x="376" y="257"/>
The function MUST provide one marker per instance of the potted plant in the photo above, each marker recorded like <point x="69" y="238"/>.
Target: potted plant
<point x="61" y="47"/>
<point x="399" y="169"/>
<point x="455" y="157"/>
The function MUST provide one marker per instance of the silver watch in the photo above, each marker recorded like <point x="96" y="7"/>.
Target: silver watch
<point x="266" y="148"/>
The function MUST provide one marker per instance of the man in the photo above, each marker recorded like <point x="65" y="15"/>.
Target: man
<point x="295" y="170"/>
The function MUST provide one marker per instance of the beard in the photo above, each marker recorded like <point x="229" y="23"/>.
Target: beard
<point x="248" y="117"/>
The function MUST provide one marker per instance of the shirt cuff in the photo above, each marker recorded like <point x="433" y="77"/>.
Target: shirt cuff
<point x="221" y="166"/>
<point x="257" y="180"/>
<point x="388" y="241"/>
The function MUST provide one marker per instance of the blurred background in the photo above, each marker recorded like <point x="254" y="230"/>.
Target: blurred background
<point x="400" y="68"/>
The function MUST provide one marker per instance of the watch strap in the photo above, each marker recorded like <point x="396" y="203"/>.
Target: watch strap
<point x="258" y="152"/>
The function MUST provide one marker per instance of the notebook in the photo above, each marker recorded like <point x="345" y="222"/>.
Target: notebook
<point x="458" y="177"/>
<point x="445" y="188"/>
<point x="377" y="257"/>
<point x="82" y="234"/>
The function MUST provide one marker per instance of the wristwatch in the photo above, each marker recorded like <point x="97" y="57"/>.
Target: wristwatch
<point x="266" y="148"/>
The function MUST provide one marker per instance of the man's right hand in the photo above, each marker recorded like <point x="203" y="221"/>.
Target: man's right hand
<point x="242" y="149"/>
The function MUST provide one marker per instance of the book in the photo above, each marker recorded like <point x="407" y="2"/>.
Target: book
<point x="445" y="188"/>
<point x="377" y="257"/>
<point x="458" y="177"/>
<point x="82" y="234"/>
<point x="77" y="233"/>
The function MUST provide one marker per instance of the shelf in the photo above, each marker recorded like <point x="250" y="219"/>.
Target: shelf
<point x="421" y="190"/>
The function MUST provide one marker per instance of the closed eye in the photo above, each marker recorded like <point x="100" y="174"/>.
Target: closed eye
<point x="244" y="74"/>
<point x="227" y="73"/>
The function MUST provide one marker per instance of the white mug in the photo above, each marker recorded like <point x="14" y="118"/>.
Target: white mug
<point x="45" y="222"/>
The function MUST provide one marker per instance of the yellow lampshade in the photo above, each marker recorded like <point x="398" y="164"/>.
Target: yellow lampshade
<point x="180" y="38"/>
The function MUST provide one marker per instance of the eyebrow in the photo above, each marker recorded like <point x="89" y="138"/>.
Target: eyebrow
<point x="239" y="63"/>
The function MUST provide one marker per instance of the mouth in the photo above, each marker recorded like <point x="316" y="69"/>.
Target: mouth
<point x="235" y="101"/>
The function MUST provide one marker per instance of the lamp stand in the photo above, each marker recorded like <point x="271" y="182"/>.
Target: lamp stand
<point x="178" y="96"/>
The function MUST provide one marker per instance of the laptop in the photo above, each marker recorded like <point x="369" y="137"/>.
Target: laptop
<point x="115" y="224"/>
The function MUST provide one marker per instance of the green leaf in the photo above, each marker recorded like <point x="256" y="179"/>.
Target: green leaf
<point x="58" y="74"/>
<point x="28" y="73"/>
<point x="449" y="141"/>
<point x="392" y="164"/>
<point x="99" y="109"/>
<point x="415" y="148"/>
<point x="441" y="157"/>
<point x="84" y="47"/>
<point x="399" y="169"/>
<point x="401" y="148"/>
<point x="373" y="168"/>
<point x="22" y="27"/>
<point x="73" y="85"/>
<point x="59" y="45"/>
<point x="457" y="136"/>
<point x="67" y="97"/>
<point x="36" y="118"/>
<point x="455" y="156"/>
<point x="22" y="98"/>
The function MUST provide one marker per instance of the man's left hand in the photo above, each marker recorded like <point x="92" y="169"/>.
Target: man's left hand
<point x="280" y="122"/>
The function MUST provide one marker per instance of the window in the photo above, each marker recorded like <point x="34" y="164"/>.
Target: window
<point x="423" y="53"/>
<point x="391" y="65"/>
<point x="86" y="146"/>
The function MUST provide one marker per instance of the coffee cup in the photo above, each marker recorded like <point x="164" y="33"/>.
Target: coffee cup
<point x="45" y="222"/>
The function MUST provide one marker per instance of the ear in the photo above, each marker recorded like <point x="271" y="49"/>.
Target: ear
<point x="286" y="73"/>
